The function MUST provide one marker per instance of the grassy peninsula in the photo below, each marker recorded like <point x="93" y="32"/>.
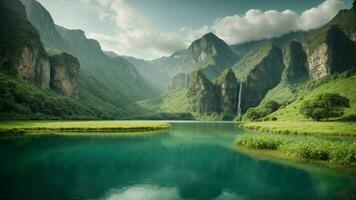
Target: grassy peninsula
<point x="79" y="127"/>
<point x="323" y="141"/>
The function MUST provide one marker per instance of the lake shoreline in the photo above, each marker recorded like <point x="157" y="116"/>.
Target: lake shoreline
<point x="15" y="128"/>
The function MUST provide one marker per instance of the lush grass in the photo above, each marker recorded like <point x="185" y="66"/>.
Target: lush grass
<point x="8" y="127"/>
<point x="302" y="147"/>
<point x="304" y="128"/>
<point x="344" y="84"/>
<point x="175" y="102"/>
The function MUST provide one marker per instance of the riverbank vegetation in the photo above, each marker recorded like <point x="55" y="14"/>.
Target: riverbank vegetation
<point x="304" y="128"/>
<point x="335" y="151"/>
<point x="71" y="127"/>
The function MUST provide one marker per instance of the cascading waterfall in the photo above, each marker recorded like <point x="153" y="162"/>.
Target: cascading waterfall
<point x="239" y="101"/>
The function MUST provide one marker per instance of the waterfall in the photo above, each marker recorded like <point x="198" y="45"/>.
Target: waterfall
<point x="239" y="101"/>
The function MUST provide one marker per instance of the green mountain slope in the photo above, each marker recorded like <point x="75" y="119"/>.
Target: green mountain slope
<point x="343" y="84"/>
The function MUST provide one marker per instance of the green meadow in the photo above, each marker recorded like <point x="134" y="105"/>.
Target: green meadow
<point x="79" y="127"/>
<point x="321" y="141"/>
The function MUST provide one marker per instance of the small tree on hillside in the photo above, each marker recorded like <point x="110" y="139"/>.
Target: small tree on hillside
<point x="325" y="106"/>
<point x="272" y="105"/>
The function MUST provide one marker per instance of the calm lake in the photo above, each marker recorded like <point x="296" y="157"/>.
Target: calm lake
<point x="195" y="161"/>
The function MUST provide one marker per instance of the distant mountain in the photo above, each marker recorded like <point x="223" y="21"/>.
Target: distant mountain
<point x="274" y="69"/>
<point x="209" y="54"/>
<point x="107" y="82"/>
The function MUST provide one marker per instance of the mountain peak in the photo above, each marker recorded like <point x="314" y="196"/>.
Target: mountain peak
<point x="207" y="46"/>
<point x="210" y="35"/>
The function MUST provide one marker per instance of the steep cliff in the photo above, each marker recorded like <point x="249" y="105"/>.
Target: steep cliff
<point x="228" y="90"/>
<point x="263" y="77"/>
<point x="202" y="94"/>
<point x="65" y="74"/>
<point x="334" y="52"/>
<point x="295" y="61"/>
<point x="260" y="70"/>
<point x="21" y="51"/>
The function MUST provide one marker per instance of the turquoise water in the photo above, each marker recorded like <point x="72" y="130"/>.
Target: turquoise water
<point x="194" y="161"/>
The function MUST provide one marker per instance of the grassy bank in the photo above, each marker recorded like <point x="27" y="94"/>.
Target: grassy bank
<point x="78" y="127"/>
<point x="302" y="147"/>
<point x="304" y="128"/>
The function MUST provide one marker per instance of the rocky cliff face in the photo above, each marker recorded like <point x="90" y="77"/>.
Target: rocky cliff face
<point x="334" y="54"/>
<point x="220" y="96"/>
<point x="295" y="61"/>
<point x="65" y="74"/>
<point x="179" y="81"/>
<point x="262" y="77"/>
<point x="21" y="51"/>
<point x="228" y="90"/>
<point x="202" y="94"/>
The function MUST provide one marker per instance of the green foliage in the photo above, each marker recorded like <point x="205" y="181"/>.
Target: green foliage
<point x="302" y="147"/>
<point x="22" y="100"/>
<point x="325" y="106"/>
<point x="271" y="142"/>
<point x="255" y="114"/>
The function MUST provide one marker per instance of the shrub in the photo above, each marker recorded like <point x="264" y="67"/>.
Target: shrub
<point x="307" y="149"/>
<point x="260" y="141"/>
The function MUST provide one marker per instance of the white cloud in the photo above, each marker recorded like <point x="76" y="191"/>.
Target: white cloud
<point x="137" y="36"/>
<point x="318" y="16"/>
<point x="255" y="24"/>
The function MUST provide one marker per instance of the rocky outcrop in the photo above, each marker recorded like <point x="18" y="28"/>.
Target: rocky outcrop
<point x="335" y="54"/>
<point x="228" y="90"/>
<point x="202" y="94"/>
<point x="65" y="74"/>
<point x="179" y="81"/>
<point x="21" y="52"/>
<point x="295" y="61"/>
<point x="317" y="62"/>
<point x="220" y="96"/>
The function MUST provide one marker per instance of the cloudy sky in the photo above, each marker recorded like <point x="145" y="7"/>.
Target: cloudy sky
<point x="153" y="28"/>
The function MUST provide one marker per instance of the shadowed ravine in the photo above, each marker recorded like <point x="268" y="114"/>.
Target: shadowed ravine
<point x="190" y="161"/>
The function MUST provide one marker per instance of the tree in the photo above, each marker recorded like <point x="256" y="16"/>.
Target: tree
<point x="325" y="106"/>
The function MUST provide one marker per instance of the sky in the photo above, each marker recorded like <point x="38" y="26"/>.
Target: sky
<point x="150" y="29"/>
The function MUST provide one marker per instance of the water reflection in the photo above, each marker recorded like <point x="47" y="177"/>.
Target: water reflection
<point x="190" y="161"/>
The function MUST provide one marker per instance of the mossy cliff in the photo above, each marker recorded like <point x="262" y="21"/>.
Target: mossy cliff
<point x="65" y="74"/>
<point x="21" y="52"/>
